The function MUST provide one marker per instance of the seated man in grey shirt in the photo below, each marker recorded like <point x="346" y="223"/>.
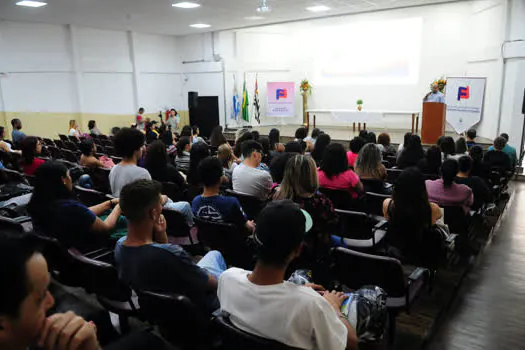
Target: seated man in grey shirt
<point x="246" y="178"/>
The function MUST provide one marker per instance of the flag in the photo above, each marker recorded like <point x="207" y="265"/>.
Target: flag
<point x="245" y="102"/>
<point x="236" y="107"/>
<point x="256" y="102"/>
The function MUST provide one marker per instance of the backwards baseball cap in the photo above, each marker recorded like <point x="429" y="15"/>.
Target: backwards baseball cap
<point x="281" y="227"/>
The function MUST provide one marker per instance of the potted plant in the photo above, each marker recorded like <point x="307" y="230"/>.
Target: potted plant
<point x="306" y="89"/>
<point x="359" y="104"/>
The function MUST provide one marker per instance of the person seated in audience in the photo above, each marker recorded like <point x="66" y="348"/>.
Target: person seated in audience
<point x="355" y="146"/>
<point x="448" y="148"/>
<point x="150" y="132"/>
<point x="74" y="128"/>
<point x="368" y="166"/>
<point x="141" y="255"/>
<point x="211" y="205"/>
<point x="6" y="146"/>
<point x="129" y="144"/>
<point x="371" y="137"/>
<point x="410" y="215"/>
<point x="295" y="147"/>
<point x="313" y="316"/>
<point x="88" y="159"/>
<point x="225" y="156"/>
<point x="199" y="151"/>
<point x="255" y="135"/>
<point x="277" y="167"/>
<point x="16" y="134"/>
<point x="31" y="147"/>
<point x="247" y="178"/>
<point x="334" y="172"/>
<point x="313" y="138"/>
<point x="509" y="150"/>
<point x="25" y="302"/>
<point x="160" y="169"/>
<point x="186" y="132"/>
<point x="195" y="133"/>
<point x="217" y="138"/>
<point x="183" y="154"/>
<point x="267" y="158"/>
<point x="480" y="190"/>
<point x="275" y="142"/>
<point x="479" y="168"/>
<point x="446" y="192"/>
<point x="386" y="148"/>
<point x="92" y="127"/>
<point x="406" y="140"/>
<point x="471" y="138"/>
<point x="140" y="121"/>
<point x="321" y="143"/>
<point x="300" y="135"/>
<point x="166" y="135"/>
<point x="237" y="150"/>
<point x="412" y="153"/>
<point x="496" y="158"/>
<point x="56" y="212"/>
<point x="461" y="147"/>
<point x="431" y="164"/>
<point x="173" y="121"/>
<point x="115" y="130"/>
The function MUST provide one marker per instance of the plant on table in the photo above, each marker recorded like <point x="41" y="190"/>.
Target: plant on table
<point x="305" y="87"/>
<point x="359" y="104"/>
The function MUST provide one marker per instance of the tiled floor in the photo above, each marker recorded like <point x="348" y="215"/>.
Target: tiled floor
<point x="489" y="312"/>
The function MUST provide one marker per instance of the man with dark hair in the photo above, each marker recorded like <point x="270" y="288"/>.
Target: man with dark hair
<point x="195" y="133"/>
<point x="25" y="301"/>
<point x="471" y="138"/>
<point x="496" y="158"/>
<point x="149" y="262"/>
<point x="481" y="191"/>
<point x="313" y="319"/>
<point x="509" y="150"/>
<point x="16" y="134"/>
<point x="211" y="205"/>
<point x="129" y="144"/>
<point x="246" y="178"/>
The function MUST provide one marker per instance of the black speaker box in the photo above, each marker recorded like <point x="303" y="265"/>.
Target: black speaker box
<point x="193" y="99"/>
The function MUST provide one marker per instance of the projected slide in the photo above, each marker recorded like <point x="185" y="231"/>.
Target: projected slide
<point x="385" y="52"/>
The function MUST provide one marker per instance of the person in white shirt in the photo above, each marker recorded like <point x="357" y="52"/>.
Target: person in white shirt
<point x="262" y="303"/>
<point x="435" y="95"/>
<point x="246" y="178"/>
<point x="74" y="129"/>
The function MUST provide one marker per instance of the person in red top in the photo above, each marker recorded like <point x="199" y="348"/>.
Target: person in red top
<point x="31" y="147"/>
<point x="355" y="146"/>
<point x="334" y="172"/>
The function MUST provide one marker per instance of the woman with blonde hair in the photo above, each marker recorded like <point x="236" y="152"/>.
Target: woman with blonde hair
<point x="74" y="129"/>
<point x="370" y="170"/>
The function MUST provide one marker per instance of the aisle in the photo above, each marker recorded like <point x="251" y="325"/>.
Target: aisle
<point x="489" y="312"/>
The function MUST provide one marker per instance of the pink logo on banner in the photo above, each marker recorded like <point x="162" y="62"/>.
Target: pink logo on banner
<point x="281" y="98"/>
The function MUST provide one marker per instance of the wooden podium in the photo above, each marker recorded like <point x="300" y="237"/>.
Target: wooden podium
<point x="433" y="124"/>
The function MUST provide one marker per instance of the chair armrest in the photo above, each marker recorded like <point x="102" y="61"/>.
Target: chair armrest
<point x="22" y="219"/>
<point x="417" y="274"/>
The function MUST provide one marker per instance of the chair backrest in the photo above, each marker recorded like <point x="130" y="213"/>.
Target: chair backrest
<point x="59" y="261"/>
<point x="228" y="239"/>
<point x="173" y="191"/>
<point x="54" y="152"/>
<point x="59" y="143"/>
<point x="73" y="139"/>
<point x="12" y="225"/>
<point x="90" y="197"/>
<point x="356" y="225"/>
<point x="393" y="174"/>
<point x="101" y="149"/>
<point x="341" y="199"/>
<point x="14" y="176"/>
<point x="235" y="338"/>
<point x="110" y="150"/>
<point x="100" y="178"/>
<point x="456" y="219"/>
<point x="356" y="269"/>
<point x="49" y="142"/>
<point x="373" y="185"/>
<point x="31" y="179"/>
<point x="10" y="160"/>
<point x="63" y="137"/>
<point x="193" y="191"/>
<point x="251" y="205"/>
<point x="68" y="155"/>
<point x="373" y="203"/>
<point x="70" y="145"/>
<point x="176" y="224"/>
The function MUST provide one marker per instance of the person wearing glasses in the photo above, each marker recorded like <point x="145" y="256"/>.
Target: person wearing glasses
<point x="31" y="148"/>
<point x="246" y="178"/>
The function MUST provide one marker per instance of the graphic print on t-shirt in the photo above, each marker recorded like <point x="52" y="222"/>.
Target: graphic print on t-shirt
<point x="209" y="212"/>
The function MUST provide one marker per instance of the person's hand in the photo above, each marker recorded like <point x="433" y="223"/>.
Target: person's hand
<point x="335" y="299"/>
<point x="164" y="199"/>
<point x="314" y="286"/>
<point x="160" y="225"/>
<point x="224" y="179"/>
<point x="68" y="332"/>
<point x="250" y="225"/>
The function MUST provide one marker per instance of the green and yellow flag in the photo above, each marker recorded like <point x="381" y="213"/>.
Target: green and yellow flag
<point x="245" y="103"/>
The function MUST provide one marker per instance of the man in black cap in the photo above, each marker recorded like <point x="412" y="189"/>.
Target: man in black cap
<point x="262" y="303"/>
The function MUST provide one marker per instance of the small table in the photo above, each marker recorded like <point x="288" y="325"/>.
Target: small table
<point x="353" y="116"/>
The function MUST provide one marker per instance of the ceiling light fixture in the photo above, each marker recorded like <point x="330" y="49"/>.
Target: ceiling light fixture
<point x="264" y="7"/>
<point x="254" y="18"/>
<point x="28" y="3"/>
<point x="318" y="8"/>
<point x="186" y="5"/>
<point x="200" y="25"/>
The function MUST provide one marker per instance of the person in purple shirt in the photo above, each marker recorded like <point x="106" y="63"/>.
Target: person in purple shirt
<point x="445" y="192"/>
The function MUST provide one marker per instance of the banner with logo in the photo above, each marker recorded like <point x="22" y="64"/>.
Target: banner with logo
<point x="464" y="99"/>
<point x="281" y="99"/>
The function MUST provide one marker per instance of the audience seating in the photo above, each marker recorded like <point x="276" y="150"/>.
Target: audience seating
<point x="90" y="197"/>
<point x="251" y="205"/>
<point x="392" y="175"/>
<point x="115" y="159"/>
<point x="13" y="176"/>
<point x="60" y="143"/>
<point x="70" y="145"/>
<point x="68" y="155"/>
<point x="177" y="226"/>
<point x="355" y="269"/>
<point x="361" y="230"/>
<point x="100" y="178"/>
<point x="229" y="240"/>
<point x="235" y="338"/>
<point x="73" y="139"/>
<point x="173" y="191"/>
<point x="341" y="199"/>
<point x="63" y="137"/>
<point x="54" y="152"/>
<point x="456" y="219"/>
<point x="19" y="224"/>
<point x="10" y="159"/>
<point x="31" y="179"/>
<point x="373" y="203"/>
<point x="374" y="185"/>
<point x="48" y="142"/>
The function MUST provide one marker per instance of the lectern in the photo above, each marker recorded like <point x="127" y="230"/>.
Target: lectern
<point x="433" y="125"/>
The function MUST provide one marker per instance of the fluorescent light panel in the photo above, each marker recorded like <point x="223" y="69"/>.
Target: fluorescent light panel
<point x="200" y="25"/>
<point x="318" y="8"/>
<point x="28" y="3"/>
<point x="254" y="18"/>
<point x="186" y="5"/>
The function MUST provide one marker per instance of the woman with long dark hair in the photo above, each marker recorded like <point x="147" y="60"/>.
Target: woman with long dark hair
<point x="479" y="168"/>
<point x="334" y="172"/>
<point x="217" y="138"/>
<point x="31" y="147"/>
<point x="431" y="164"/>
<point x="157" y="164"/>
<point x="321" y="143"/>
<point x="446" y="192"/>
<point x="92" y="127"/>
<point x="411" y="154"/>
<point x="275" y="142"/>
<point x="448" y="147"/>
<point x="56" y="212"/>
<point x="198" y="152"/>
